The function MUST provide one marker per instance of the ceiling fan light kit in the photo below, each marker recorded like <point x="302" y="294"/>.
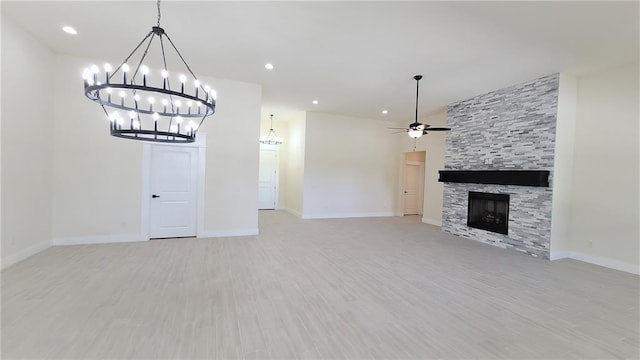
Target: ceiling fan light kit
<point x="143" y="108"/>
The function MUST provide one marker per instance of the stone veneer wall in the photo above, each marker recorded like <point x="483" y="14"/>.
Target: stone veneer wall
<point x="513" y="129"/>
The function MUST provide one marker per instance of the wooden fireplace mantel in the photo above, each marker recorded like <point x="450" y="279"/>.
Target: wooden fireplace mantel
<point x="538" y="178"/>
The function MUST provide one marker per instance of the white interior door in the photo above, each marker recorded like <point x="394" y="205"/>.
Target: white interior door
<point x="172" y="211"/>
<point x="412" y="189"/>
<point x="268" y="180"/>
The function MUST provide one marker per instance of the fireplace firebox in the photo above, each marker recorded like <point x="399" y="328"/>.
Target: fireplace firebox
<point x="489" y="212"/>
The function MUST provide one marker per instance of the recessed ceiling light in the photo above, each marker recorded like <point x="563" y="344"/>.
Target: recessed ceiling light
<point x="69" y="30"/>
<point x="385" y="112"/>
<point x="268" y="66"/>
<point x="315" y="102"/>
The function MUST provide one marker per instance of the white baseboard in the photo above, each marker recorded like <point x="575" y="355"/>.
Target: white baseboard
<point x="601" y="261"/>
<point x="24" y="253"/>
<point x="557" y="255"/>
<point x="432" y="222"/>
<point x="228" y="233"/>
<point x="291" y="211"/>
<point x="98" y="239"/>
<point x="347" y="215"/>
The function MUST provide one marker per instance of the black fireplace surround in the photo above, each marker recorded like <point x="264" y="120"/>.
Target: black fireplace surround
<point x="488" y="212"/>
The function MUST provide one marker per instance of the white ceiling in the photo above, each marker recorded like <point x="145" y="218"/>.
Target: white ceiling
<point x="356" y="58"/>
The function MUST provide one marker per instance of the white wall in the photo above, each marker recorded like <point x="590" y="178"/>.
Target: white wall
<point x="563" y="167"/>
<point x="293" y="153"/>
<point x="27" y="68"/>
<point x="604" y="221"/>
<point x="97" y="178"/>
<point x="348" y="167"/>
<point x="233" y="154"/>
<point x="434" y="145"/>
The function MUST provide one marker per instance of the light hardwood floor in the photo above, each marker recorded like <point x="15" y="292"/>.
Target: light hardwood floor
<point x="344" y="288"/>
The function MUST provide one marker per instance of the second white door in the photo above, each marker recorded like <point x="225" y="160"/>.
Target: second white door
<point x="412" y="189"/>
<point x="172" y="210"/>
<point x="268" y="180"/>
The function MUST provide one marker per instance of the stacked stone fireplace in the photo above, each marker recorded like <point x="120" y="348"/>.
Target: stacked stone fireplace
<point x="505" y="130"/>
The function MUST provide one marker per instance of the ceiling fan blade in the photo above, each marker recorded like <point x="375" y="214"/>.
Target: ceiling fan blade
<point x="437" y="129"/>
<point x="397" y="128"/>
<point x="399" y="132"/>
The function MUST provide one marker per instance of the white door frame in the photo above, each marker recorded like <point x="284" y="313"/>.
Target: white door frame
<point x="201" y="145"/>
<point x="275" y="148"/>
<point x="421" y="171"/>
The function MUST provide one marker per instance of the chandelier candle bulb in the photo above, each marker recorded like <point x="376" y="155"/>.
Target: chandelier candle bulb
<point x="125" y="69"/>
<point x="182" y="79"/>
<point x="107" y="69"/>
<point x="165" y="74"/>
<point x="144" y="69"/>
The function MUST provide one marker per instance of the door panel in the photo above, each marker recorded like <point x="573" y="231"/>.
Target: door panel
<point x="172" y="211"/>
<point x="411" y="189"/>
<point x="268" y="180"/>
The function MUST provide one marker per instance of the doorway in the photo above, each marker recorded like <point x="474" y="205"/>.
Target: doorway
<point x="268" y="178"/>
<point x="413" y="183"/>
<point x="173" y="187"/>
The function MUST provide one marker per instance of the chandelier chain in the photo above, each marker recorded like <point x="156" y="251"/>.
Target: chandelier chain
<point x="158" y="13"/>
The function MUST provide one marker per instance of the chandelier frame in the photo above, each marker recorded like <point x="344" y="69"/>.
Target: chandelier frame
<point x="102" y="92"/>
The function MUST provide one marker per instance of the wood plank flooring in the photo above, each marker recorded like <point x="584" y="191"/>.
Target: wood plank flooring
<point x="375" y="288"/>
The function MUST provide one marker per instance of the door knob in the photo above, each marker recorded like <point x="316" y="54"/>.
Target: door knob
<point x="155" y="196"/>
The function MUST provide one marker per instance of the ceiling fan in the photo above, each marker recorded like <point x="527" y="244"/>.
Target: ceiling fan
<point x="417" y="129"/>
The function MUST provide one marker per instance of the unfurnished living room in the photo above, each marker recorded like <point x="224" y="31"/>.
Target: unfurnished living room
<point x="319" y="180"/>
